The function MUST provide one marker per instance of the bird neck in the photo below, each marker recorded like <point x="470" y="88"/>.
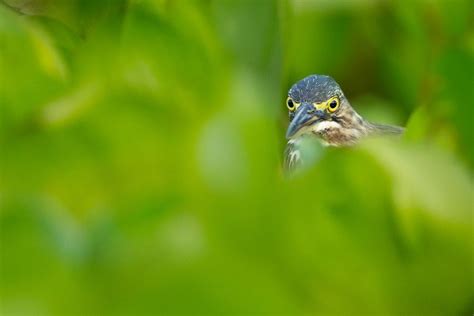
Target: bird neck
<point x="343" y="130"/>
<point x="382" y="129"/>
<point x="349" y="127"/>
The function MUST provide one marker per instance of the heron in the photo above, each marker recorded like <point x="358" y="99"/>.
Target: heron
<point x="318" y="108"/>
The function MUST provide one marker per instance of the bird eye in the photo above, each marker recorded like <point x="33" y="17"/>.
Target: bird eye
<point x="333" y="105"/>
<point x="290" y="104"/>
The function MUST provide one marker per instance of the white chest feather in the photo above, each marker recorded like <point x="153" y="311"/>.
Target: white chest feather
<point x="325" y="125"/>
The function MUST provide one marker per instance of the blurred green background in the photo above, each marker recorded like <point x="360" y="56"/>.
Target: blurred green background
<point x="140" y="151"/>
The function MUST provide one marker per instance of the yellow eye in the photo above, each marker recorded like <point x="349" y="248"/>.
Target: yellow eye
<point x="333" y="104"/>
<point x="290" y="104"/>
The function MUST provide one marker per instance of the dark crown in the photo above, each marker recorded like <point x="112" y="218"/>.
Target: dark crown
<point x="315" y="88"/>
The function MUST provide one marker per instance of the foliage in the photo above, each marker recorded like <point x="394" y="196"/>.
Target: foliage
<point x="141" y="145"/>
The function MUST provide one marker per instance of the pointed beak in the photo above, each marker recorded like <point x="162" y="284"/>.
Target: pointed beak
<point x="305" y="115"/>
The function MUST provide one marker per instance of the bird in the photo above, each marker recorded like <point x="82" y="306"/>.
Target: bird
<point x="318" y="108"/>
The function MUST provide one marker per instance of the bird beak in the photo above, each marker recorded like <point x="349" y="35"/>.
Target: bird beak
<point x="305" y="115"/>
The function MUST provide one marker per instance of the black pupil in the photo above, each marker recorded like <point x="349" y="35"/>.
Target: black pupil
<point x="290" y="104"/>
<point x="333" y="104"/>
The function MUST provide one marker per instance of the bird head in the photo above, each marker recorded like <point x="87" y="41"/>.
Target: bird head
<point x="313" y="102"/>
